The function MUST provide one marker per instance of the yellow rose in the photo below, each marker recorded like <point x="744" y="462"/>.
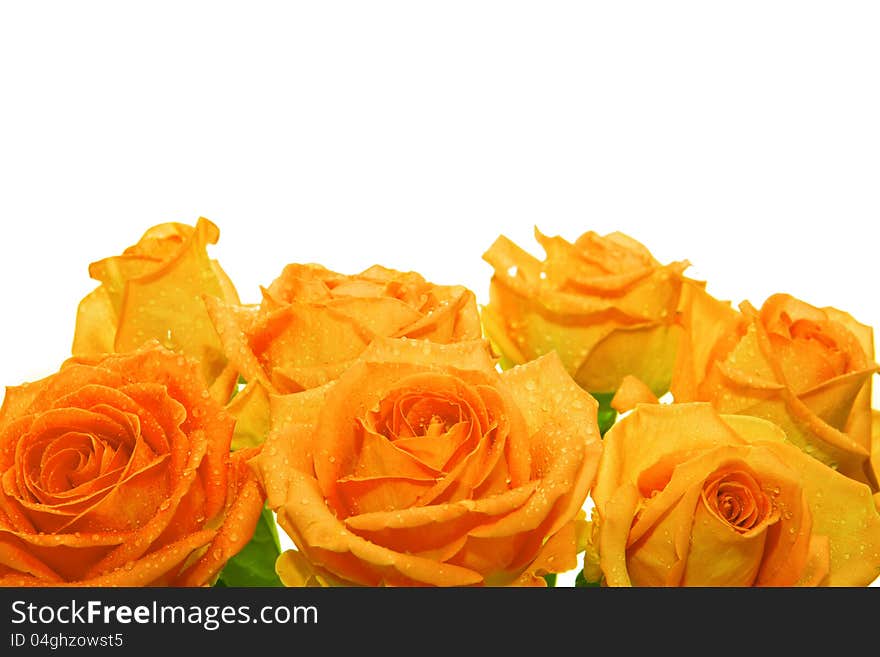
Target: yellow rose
<point x="153" y="291"/>
<point x="804" y="368"/>
<point x="688" y="497"/>
<point x="421" y="465"/>
<point x="603" y="303"/>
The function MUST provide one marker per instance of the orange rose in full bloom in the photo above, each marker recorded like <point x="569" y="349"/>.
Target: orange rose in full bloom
<point x="688" y="497"/>
<point x="153" y="291"/>
<point x="804" y="368"/>
<point x="421" y="465"/>
<point x="116" y="471"/>
<point x="603" y="303"/>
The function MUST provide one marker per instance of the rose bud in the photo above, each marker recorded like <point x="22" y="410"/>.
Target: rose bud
<point x="152" y="291"/>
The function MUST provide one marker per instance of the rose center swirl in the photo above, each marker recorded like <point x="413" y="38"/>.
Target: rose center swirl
<point x="737" y="499"/>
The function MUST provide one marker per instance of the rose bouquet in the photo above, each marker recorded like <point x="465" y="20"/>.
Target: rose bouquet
<point x="601" y="412"/>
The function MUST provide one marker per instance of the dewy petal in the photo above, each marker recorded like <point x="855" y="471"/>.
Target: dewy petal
<point x="616" y="513"/>
<point x="95" y="329"/>
<point x="658" y="553"/>
<point x="166" y="304"/>
<point x="385" y="316"/>
<point x="455" y="318"/>
<point x="371" y="494"/>
<point x="252" y="412"/>
<point x="155" y="568"/>
<point x="816" y="571"/>
<point x="652" y="433"/>
<point x="16" y="555"/>
<point x="307" y="336"/>
<point x="328" y="543"/>
<point x="239" y="521"/>
<point x="422" y="528"/>
<point x="631" y="392"/>
<point x="163" y="513"/>
<point x="558" y="555"/>
<point x="647" y="352"/>
<point x="295" y="570"/>
<point x="833" y="400"/>
<point x="710" y="330"/>
<point x="564" y="445"/>
<point x="721" y="556"/>
<point x="230" y="321"/>
<point x="182" y="379"/>
<point x="874" y="464"/>
<point x="844" y="511"/>
<point x="380" y="457"/>
<point x="465" y="355"/>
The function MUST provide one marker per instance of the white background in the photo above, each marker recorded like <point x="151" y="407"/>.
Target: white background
<point x="743" y="137"/>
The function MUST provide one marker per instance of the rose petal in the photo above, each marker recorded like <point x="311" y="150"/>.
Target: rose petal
<point x="419" y="529"/>
<point x="834" y="399"/>
<point x="558" y="555"/>
<point x="720" y="556"/>
<point x="564" y="446"/>
<point x="843" y="510"/>
<point x="238" y="525"/>
<point x="646" y="351"/>
<point x="252" y="412"/>
<point x="617" y="513"/>
<point x="327" y="542"/>
<point x="166" y="304"/>
<point x="231" y="321"/>
<point x="454" y="318"/>
<point x="710" y="330"/>
<point x="95" y="329"/>
<point x="379" y="315"/>
<point x="20" y="559"/>
<point x="151" y="569"/>
<point x="631" y="392"/>
<point x="162" y="514"/>
<point x="301" y="335"/>
<point x="658" y="554"/>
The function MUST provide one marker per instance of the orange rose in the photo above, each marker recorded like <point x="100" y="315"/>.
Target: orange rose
<point x="153" y="292"/>
<point x="688" y="497"/>
<point x="604" y="304"/>
<point x="116" y="471"/>
<point x="804" y="368"/>
<point x="313" y="322"/>
<point x="422" y="465"/>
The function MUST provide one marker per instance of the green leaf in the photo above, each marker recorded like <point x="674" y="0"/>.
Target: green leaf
<point x="581" y="582"/>
<point x="237" y="388"/>
<point x="607" y="415"/>
<point x="254" y="565"/>
<point x="550" y="578"/>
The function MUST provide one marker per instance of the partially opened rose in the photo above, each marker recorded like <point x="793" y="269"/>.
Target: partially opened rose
<point x="688" y="497"/>
<point x="603" y="303"/>
<point x="116" y="471"/>
<point x="153" y="291"/>
<point x="313" y="323"/>
<point x="423" y="466"/>
<point x="804" y="368"/>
